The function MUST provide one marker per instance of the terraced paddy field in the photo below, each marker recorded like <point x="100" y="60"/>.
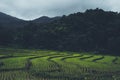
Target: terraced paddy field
<point x="21" y="64"/>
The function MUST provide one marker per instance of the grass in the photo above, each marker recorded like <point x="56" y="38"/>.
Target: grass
<point x="22" y="64"/>
<point x="14" y="63"/>
<point x="107" y="60"/>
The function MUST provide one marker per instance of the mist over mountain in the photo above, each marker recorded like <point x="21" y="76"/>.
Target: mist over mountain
<point x="94" y="30"/>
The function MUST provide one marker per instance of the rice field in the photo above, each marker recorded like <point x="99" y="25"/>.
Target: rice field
<point x="22" y="64"/>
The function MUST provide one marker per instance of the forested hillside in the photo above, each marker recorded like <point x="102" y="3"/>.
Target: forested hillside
<point x="94" y="30"/>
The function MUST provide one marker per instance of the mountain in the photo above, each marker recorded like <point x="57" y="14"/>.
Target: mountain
<point x="10" y="22"/>
<point x="45" y="19"/>
<point x="94" y="30"/>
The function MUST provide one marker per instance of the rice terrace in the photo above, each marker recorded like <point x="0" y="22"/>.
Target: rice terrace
<point x="59" y="39"/>
<point x="24" y="64"/>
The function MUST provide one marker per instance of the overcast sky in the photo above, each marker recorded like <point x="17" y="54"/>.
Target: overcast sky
<point x="31" y="9"/>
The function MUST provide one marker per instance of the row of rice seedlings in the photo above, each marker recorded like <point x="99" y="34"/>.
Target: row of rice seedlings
<point x="72" y="56"/>
<point x="43" y="52"/>
<point x="19" y="75"/>
<point x="42" y="66"/>
<point x="50" y="70"/>
<point x="107" y="59"/>
<point x="13" y="75"/>
<point x="85" y="57"/>
<point x="80" y="68"/>
<point x="31" y="52"/>
<point x="14" y="63"/>
<point x="93" y="58"/>
<point x="67" y="70"/>
<point x="22" y="75"/>
<point x="78" y="56"/>
<point x="93" y="65"/>
<point x="99" y="77"/>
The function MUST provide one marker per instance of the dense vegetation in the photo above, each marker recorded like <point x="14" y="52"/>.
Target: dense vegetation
<point x="94" y="30"/>
<point x="22" y="64"/>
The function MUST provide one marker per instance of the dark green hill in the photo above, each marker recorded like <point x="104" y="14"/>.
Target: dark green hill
<point x="45" y="19"/>
<point x="94" y="30"/>
<point x="10" y="22"/>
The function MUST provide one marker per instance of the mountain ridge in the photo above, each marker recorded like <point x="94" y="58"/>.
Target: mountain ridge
<point x="94" y="30"/>
<point x="8" y="20"/>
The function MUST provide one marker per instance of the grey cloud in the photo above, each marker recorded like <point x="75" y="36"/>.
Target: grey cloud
<point x="31" y="9"/>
